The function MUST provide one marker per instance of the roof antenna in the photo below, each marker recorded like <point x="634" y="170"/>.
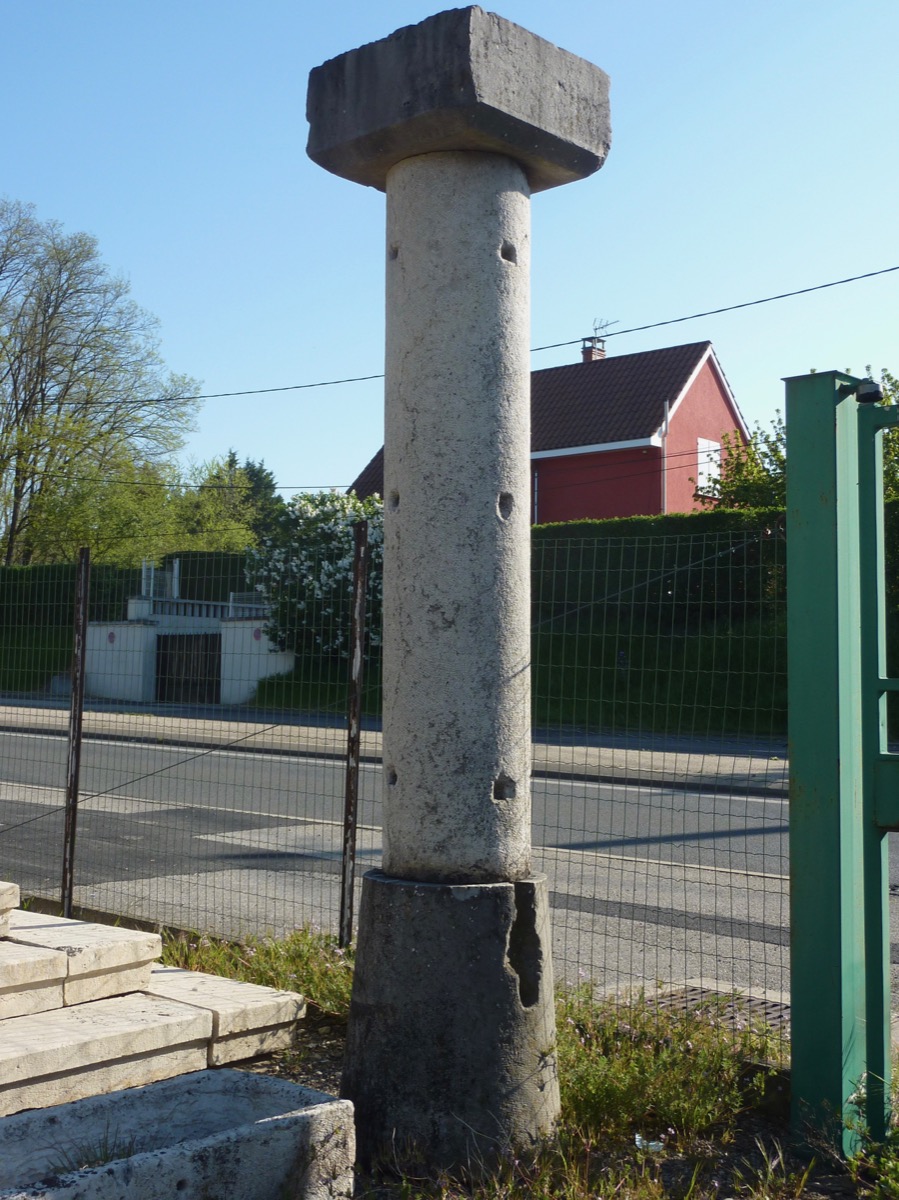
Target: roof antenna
<point x="594" y="348"/>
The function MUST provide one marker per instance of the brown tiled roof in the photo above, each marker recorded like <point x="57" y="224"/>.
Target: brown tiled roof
<point x="617" y="399"/>
<point x="370" y="481"/>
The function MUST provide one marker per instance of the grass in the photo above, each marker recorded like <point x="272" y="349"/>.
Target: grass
<point x="305" y="961"/>
<point x="656" y="1105"/>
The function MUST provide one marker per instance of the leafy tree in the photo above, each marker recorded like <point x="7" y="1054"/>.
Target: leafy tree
<point x="123" y="510"/>
<point x="215" y="508"/>
<point x="752" y="474"/>
<point x="269" y="506"/>
<point x="306" y="572"/>
<point x="890" y="385"/>
<point x="81" y="380"/>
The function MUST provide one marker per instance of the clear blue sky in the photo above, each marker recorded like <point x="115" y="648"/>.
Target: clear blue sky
<point x="754" y="152"/>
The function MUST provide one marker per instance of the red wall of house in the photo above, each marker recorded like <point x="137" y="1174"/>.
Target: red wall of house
<point x="703" y="413"/>
<point x="619" y="483"/>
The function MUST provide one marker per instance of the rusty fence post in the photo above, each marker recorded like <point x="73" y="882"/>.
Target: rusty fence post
<point x="354" y="732"/>
<point x="76" y="713"/>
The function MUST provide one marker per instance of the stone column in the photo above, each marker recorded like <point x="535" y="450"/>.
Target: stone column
<point x="457" y="729"/>
<point x="450" y="1055"/>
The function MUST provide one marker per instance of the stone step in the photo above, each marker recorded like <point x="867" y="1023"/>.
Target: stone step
<point x="101" y="960"/>
<point x="87" y="1049"/>
<point x="32" y="979"/>
<point x="247" y="1020"/>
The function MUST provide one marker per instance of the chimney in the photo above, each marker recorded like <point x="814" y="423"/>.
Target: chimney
<point x="592" y="349"/>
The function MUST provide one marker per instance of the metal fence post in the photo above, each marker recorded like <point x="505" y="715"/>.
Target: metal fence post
<point x="829" y="571"/>
<point x="354" y="732"/>
<point x="76" y="714"/>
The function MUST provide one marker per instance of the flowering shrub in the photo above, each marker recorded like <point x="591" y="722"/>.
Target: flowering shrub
<point x="306" y="573"/>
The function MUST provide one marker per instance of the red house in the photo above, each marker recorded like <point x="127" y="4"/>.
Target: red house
<point x="622" y="436"/>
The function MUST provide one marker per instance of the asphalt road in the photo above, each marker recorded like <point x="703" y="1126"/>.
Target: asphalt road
<point x="138" y="797"/>
<point x="647" y="882"/>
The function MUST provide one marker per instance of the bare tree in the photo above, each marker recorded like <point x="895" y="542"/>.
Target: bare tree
<point x="81" y="379"/>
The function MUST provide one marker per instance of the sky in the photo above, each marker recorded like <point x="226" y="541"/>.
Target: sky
<point x="753" y="153"/>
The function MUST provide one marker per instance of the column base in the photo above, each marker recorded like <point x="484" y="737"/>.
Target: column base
<point x="451" y="1043"/>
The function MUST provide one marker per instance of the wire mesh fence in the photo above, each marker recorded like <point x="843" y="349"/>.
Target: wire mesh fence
<point x="213" y="766"/>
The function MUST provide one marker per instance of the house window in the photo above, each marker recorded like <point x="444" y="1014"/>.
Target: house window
<point x="709" y="463"/>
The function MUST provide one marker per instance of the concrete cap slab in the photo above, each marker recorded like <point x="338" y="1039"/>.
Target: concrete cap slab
<point x="464" y="79"/>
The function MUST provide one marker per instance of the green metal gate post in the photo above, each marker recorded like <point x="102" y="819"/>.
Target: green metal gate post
<point x="844" y="785"/>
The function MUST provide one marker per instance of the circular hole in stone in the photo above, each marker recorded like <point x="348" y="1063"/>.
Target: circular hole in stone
<point x="391" y="776"/>
<point x="509" y="253"/>
<point x="393" y="251"/>
<point x="503" y="788"/>
<point x="504" y="505"/>
<point x="393" y="501"/>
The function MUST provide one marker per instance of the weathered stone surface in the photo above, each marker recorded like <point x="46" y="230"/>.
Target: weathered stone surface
<point x="457" y="729"/>
<point x="461" y="80"/>
<point x="90" y="948"/>
<point x="9" y="899"/>
<point x="55" y="1057"/>
<point x="247" y="1020"/>
<point x="31" y="979"/>
<point x="451" y="1041"/>
<point x="222" y="1133"/>
<point x="81" y="989"/>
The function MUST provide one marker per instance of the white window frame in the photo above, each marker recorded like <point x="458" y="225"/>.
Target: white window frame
<point x="708" y="463"/>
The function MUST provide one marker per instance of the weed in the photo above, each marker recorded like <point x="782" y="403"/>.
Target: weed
<point x="108" y="1147"/>
<point x="771" y="1177"/>
<point x="305" y="961"/>
<point x="636" y="1069"/>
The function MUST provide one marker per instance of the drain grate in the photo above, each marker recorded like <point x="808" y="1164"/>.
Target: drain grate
<point x="733" y="1008"/>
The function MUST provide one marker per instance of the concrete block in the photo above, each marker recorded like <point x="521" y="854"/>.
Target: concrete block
<point x="460" y="80"/>
<point x="90" y="948"/>
<point x="222" y="1133"/>
<point x="247" y="1020"/>
<point x="51" y="1058"/>
<point x="454" y="1066"/>
<point x="31" y="979"/>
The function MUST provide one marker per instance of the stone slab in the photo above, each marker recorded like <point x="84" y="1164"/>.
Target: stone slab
<point x="31" y="979"/>
<point x="236" y="1007"/>
<point x="99" y="1080"/>
<point x="460" y="80"/>
<point x="90" y="948"/>
<point x="51" y="1058"/>
<point x="248" y="1020"/>
<point x="235" y="1135"/>
<point x="241" y="1046"/>
<point x="81" y="989"/>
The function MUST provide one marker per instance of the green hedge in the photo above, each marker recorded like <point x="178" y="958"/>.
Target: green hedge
<point x="45" y="595"/>
<point x="209" y="574"/>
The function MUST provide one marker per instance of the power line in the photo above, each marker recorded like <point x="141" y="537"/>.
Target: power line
<point x="711" y="312"/>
